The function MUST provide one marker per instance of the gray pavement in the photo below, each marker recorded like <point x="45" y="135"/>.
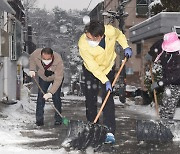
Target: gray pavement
<point x="126" y="142"/>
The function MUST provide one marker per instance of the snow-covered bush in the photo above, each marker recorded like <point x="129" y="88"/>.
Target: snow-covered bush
<point x="157" y="73"/>
<point x="164" y="5"/>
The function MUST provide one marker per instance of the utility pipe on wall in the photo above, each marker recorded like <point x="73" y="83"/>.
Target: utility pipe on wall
<point x="5" y="89"/>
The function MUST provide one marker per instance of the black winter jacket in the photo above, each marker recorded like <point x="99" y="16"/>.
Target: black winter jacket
<point x="170" y="67"/>
<point x="170" y="63"/>
<point x="155" y="49"/>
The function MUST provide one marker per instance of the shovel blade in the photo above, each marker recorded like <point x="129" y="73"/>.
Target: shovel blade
<point x="81" y="135"/>
<point x="155" y="130"/>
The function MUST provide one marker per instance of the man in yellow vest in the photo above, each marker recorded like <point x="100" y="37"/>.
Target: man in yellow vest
<point x="97" y="49"/>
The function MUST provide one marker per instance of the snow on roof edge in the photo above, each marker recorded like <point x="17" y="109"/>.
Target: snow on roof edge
<point x="153" y="17"/>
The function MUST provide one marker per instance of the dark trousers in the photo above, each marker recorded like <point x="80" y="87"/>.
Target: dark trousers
<point x="91" y="93"/>
<point x="41" y="101"/>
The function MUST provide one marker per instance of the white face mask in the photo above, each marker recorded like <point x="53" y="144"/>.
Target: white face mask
<point x="93" y="43"/>
<point x="46" y="62"/>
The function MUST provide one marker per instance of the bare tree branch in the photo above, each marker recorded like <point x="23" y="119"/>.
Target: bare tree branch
<point x="29" y="3"/>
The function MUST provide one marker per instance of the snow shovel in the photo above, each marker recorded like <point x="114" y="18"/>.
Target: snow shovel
<point x="82" y="135"/>
<point x="65" y="121"/>
<point x="155" y="130"/>
<point x="154" y="92"/>
<point x="86" y="132"/>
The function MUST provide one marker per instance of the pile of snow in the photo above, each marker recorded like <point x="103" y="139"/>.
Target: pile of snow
<point x="148" y="110"/>
<point x="23" y="111"/>
<point x="74" y="98"/>
<point x="18" y="150"/>
<point x="130" y="88"/>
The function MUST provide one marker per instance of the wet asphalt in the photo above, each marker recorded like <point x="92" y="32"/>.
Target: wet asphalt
<point x="126" y="140"/>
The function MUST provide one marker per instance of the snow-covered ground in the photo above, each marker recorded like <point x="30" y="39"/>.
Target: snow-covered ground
<point x="12" y="122"/>
<point x="13" y="119"/>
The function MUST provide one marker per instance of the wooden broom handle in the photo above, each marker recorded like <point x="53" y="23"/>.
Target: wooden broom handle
<point x="154" y="92"/>
<point x="108" y="94"/>
<point x="48" y="99"/>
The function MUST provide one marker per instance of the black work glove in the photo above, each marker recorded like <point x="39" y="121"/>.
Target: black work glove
<point x="48" y="73"/>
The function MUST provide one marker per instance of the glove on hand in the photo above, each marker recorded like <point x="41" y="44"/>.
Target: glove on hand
<point x="156" y="85"/>
<point x="32" y="74"/>
<point x="128" y="52"/>
<point x="108" y="86"/>
<point x="47" y="96"/>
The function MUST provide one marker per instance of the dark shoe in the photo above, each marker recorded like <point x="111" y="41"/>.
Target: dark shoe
<point x="39" y="123"/>
<point x="56" y="123"/>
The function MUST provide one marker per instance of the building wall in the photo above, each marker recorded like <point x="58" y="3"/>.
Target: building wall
<point x="132" y="19"/>
<point x="12" y="71"/>
<point x="96" y="14"/>
<point x="1" y="77"/>
<point x="8" y="69"/>
<point x="135" y="62"/>
<point x="1" y="60"/>
<point x="9" y="81"/>
<point x="110" y="5"/>
<point x="150" y="31"/>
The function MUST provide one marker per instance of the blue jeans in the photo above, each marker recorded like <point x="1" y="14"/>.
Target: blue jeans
<point x="41" y="101"/>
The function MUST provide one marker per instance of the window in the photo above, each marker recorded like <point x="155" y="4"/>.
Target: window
<point x="4" y="51"/>
<point x="176" y="29"/>
<point x="142" y="8"/>
<point x="16" y="41"/>
<point x="142" y="1"/>
<point x="13" y="42"/>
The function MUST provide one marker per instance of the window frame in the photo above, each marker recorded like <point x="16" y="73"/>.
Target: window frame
<point x="141" y="6"/>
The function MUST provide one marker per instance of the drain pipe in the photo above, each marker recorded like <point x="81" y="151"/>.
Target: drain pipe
<point x="5" y="92"/>
<point x="1" y="66"/>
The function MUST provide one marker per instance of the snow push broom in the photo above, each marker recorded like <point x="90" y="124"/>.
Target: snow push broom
<point x="82" y="135"/>
<point x="155" y="130"/>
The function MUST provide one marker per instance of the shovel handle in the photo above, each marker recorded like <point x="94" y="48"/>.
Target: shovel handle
<point x="48" y="99"/>
<point x="154" y="92"/>
<point x="108" y="94"/>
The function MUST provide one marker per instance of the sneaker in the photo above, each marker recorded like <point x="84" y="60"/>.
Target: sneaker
<point x="39" y="123"/>
<point x="110" y="138"/>
<point x="56" y="123"/>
